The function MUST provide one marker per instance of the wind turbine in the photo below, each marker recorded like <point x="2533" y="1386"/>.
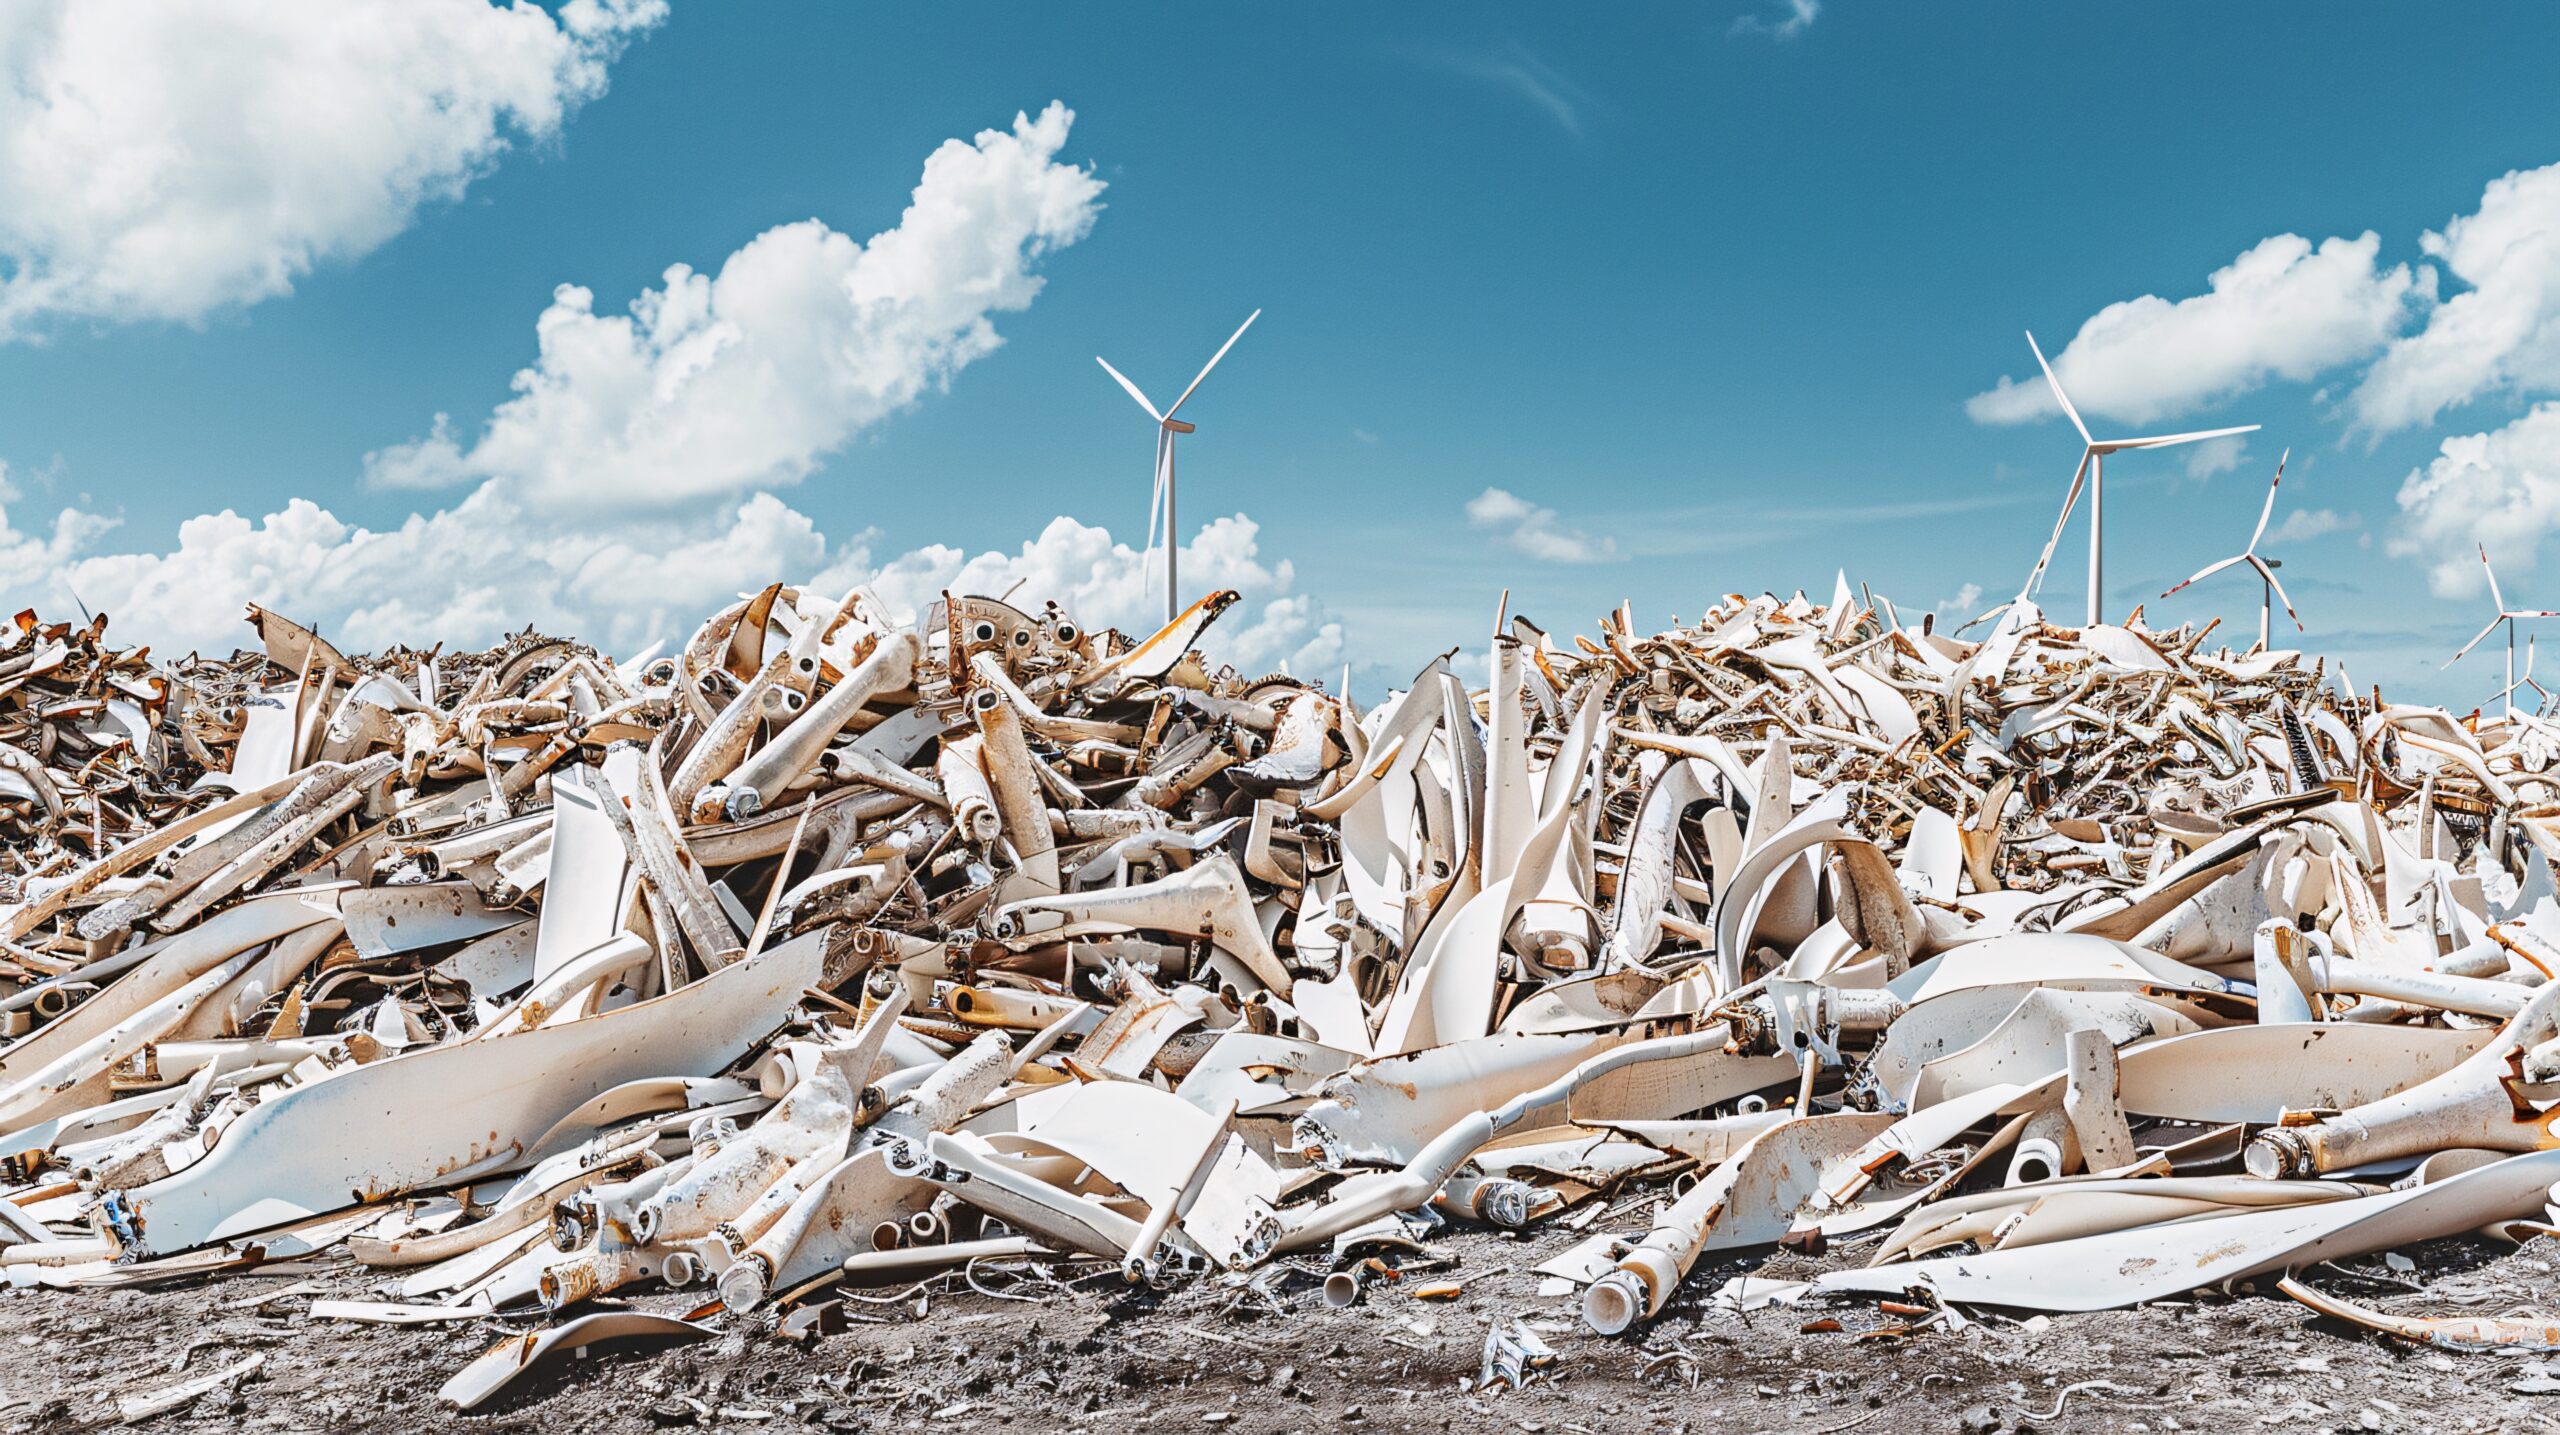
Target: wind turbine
<point x="1160" y="503"/>
<point x="2093" y="457"/>
<point x="2269" y="590"/>
<point x="2507" y="616"/>
<point x="2527" y="682"/>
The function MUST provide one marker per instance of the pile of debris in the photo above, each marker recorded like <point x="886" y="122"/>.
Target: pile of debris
<point x="836" y="948"/>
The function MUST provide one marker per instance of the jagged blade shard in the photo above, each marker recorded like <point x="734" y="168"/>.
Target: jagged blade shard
<point x="2060" y="969"/>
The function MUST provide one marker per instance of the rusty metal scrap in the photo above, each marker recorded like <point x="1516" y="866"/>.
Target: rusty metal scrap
<point x="831" y="947"/>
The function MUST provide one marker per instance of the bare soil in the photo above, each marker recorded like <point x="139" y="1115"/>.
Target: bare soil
<point x="1073" y="1348"/>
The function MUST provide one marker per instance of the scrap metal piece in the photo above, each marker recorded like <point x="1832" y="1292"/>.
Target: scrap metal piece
<point x="1084" y="944"/>
<point x="500" y="1365"/>
<point x="2464" y="1333"/>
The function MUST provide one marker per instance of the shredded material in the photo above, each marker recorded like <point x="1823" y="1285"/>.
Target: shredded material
<point x="835" y="943"/>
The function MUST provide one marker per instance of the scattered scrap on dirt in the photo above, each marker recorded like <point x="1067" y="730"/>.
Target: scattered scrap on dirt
<point x="1796" y="1019"/>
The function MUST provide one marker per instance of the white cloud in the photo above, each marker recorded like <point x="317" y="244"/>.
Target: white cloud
<point x="2308" y="523"/>
<point x="713" y="385"/>
<point x="2216" y="455"/>
<point x="470" y="572"/>
<point x="1537" y="532"/>
<point x="803" y="331"/>
<point x="1963" y="603"/>
<point x="2283" y="309"/>
<point x="2503" y="333"/>
<point x="1795" y="16"/>
<point x="488" y="565"/>
<point x="2498" y="490"/>
<point x="70" y="531"/>
<point x="168" y="159"/>
<point x="1295" y="634"/>
<point x="1104" y="583"/>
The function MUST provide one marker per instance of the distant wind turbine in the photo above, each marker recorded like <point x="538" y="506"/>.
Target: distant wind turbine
<point x="2093" y="468"/>
<point x="2269" y="590"/>
<point x="1160" y="504"/>
<point x="2527" y="682"/>
<point x="2507" y="616"/>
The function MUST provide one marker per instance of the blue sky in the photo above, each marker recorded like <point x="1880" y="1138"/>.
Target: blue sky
<point x="1716" y="297"/>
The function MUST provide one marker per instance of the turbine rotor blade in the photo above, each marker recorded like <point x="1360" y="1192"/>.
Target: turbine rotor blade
<point x="2475" y="640"/>
<point x="2078" y="475"/>
<point x="1213" y="360"/>
<point x="2270" y="575"/>
<point x="2269" y="511"/>
<point x="2494" y="595"/>
<point x="1132" y="388"/>
<point x="2119" y="445"/>
<point x="2204" y="573"/>
<point x="2059" y="396"/>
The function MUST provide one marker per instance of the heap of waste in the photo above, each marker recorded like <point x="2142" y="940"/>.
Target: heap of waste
<point x="2060" y="970"/>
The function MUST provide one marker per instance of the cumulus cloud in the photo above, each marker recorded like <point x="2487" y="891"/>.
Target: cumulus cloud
<point x="167" y="159"/>
<point x="1537" y="532"/>
<point x="1793" y="17"/>
<point x="2308" y="523"/>
<point x="2498" y="491"/>
<point x="2283" y="309"/>
<point x="715" y="384"/>
<point x="2502" y="333"/>
<point x="475" y="570"/>
<point x="487" y="566"/>
<point x="1963" y="602"/>
<point x="710" y="386"/>
<point x="1106" y="583"/>
<point x="46" y="550"/>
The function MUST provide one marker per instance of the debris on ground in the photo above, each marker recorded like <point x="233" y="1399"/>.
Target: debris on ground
<point x="832" y="960"/>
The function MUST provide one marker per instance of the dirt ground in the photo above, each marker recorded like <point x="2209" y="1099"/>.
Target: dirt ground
<point x="1076" y="1349"/>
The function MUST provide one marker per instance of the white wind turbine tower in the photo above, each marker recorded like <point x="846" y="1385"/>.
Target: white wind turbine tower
<point x="2507" y="616"/>
<point x="2269" y="590"/>
<point x="1160" y="506"/>
<point x="2093" y="458"/>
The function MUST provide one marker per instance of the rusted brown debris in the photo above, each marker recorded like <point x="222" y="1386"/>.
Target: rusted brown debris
<point x="2054" y="968"/>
